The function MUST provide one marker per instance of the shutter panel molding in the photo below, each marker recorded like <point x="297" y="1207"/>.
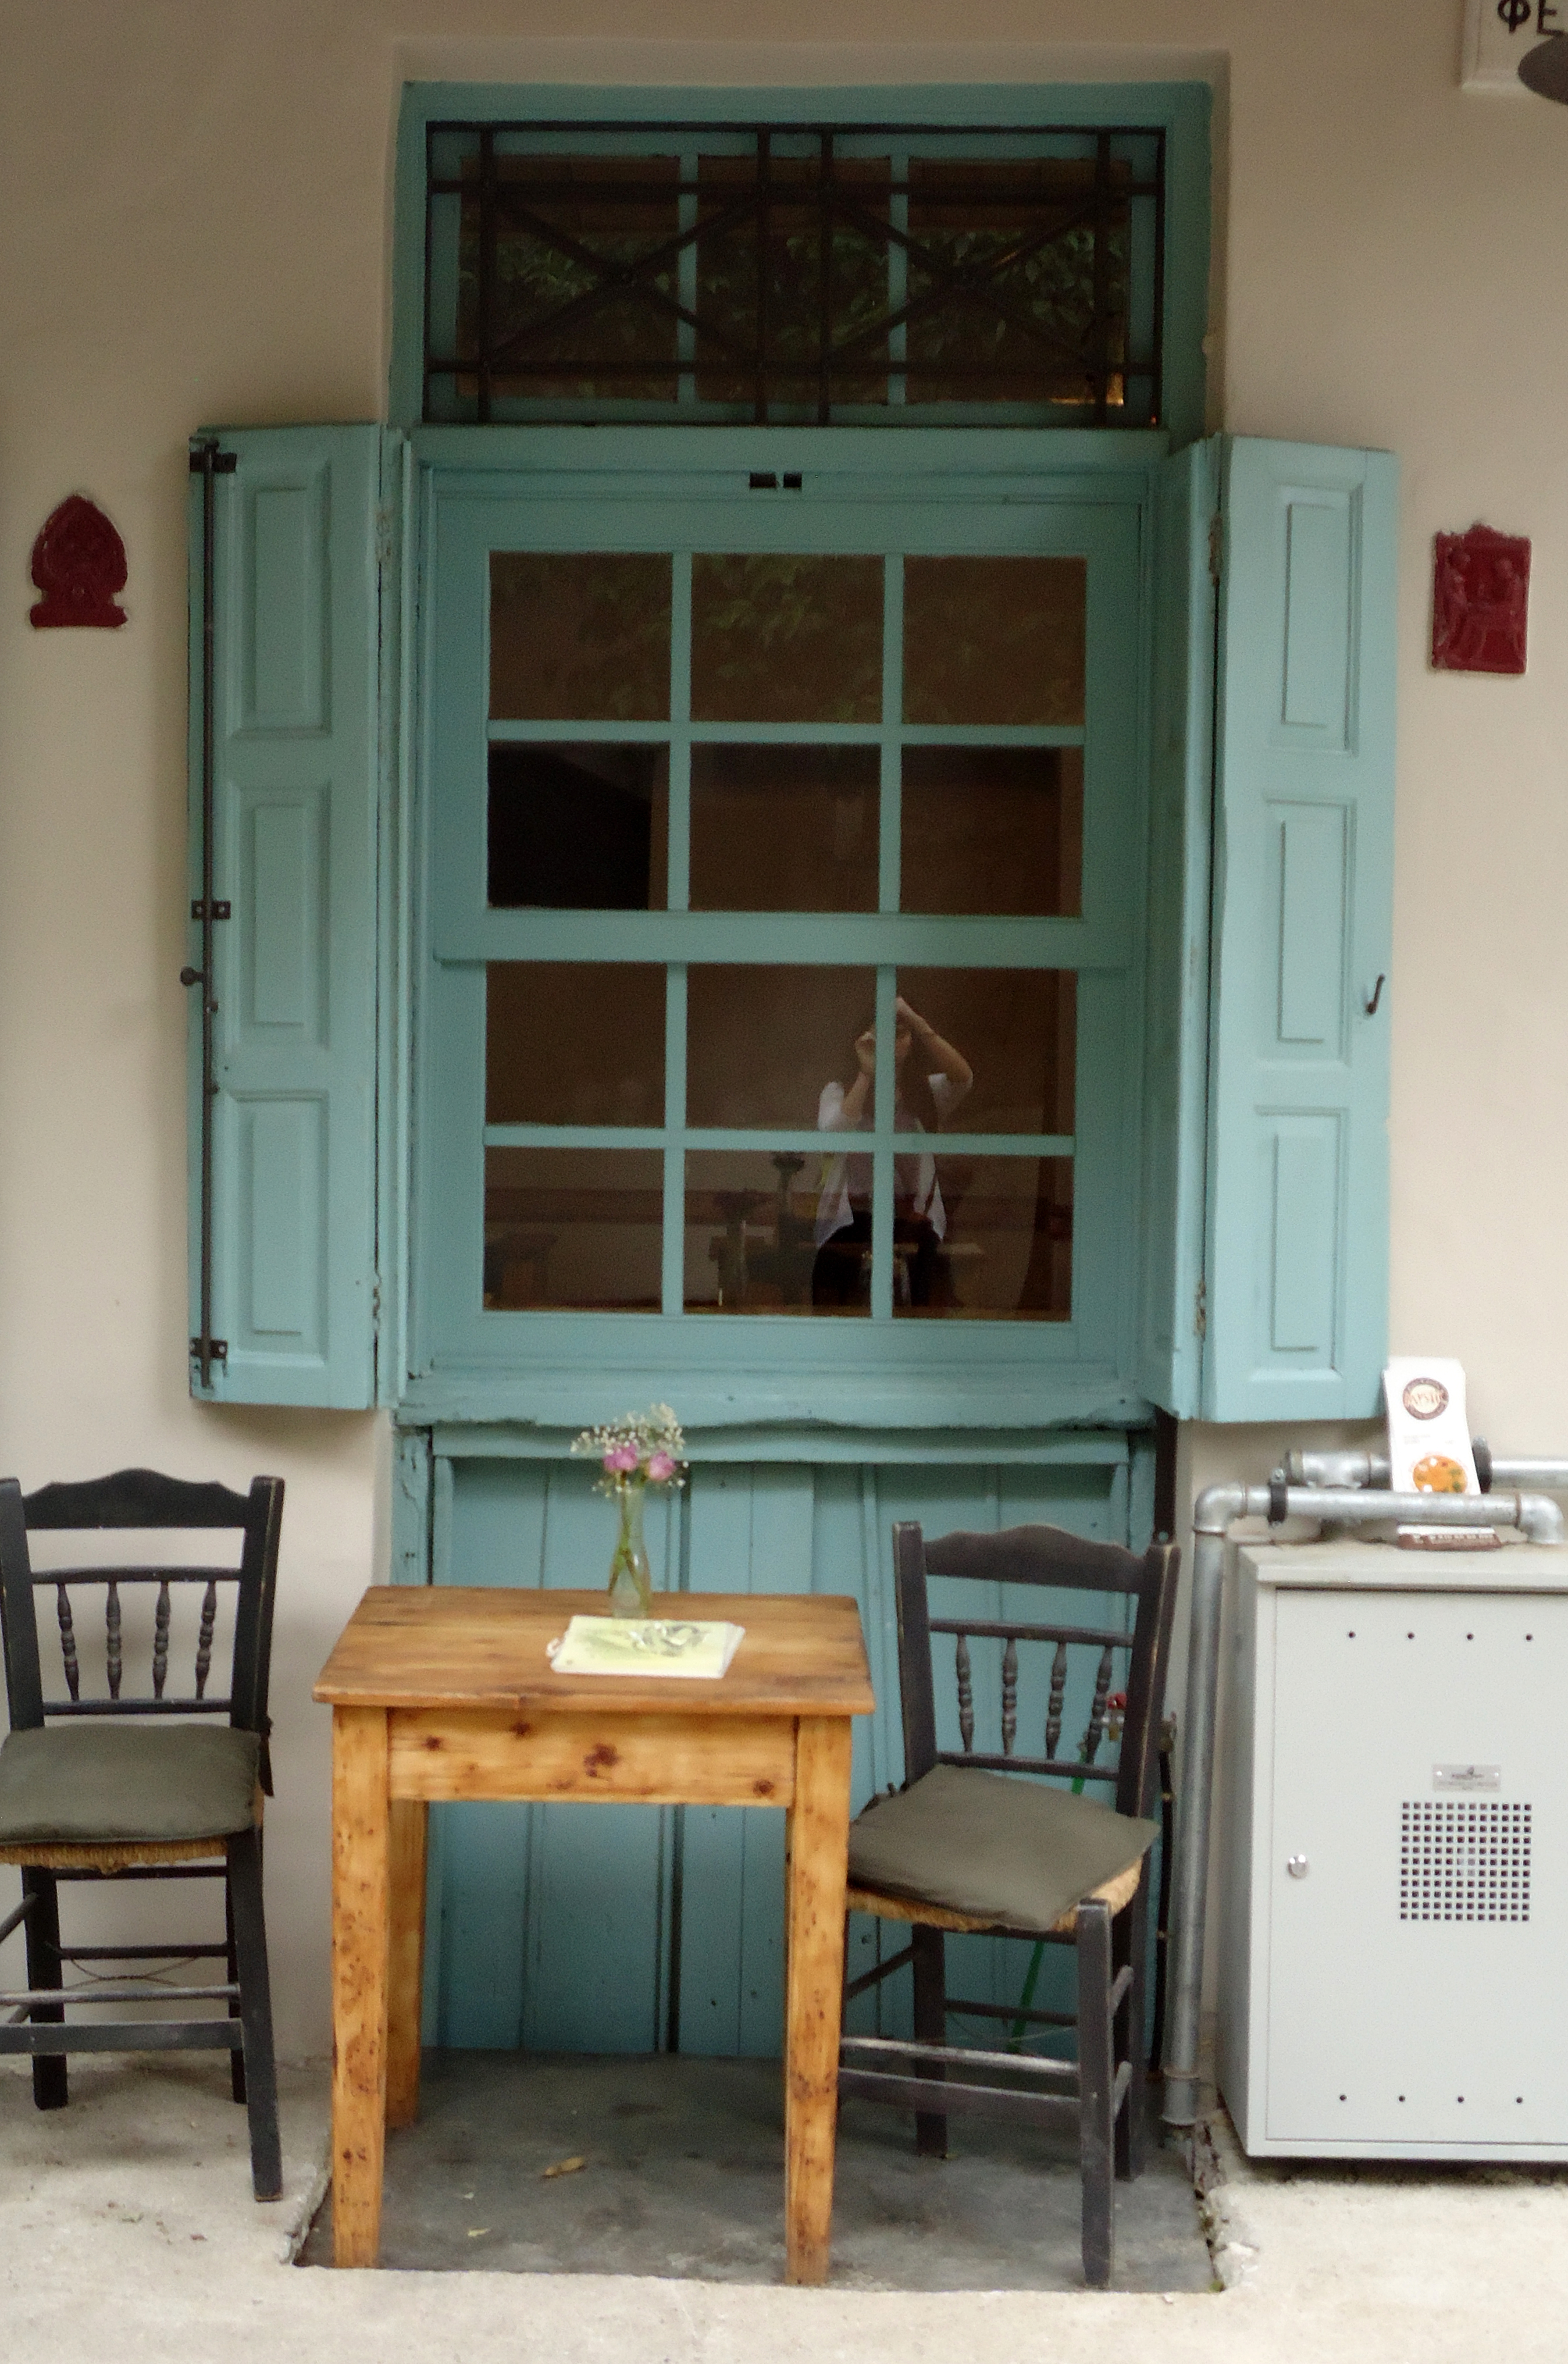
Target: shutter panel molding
<point x="1175" y="1082"/>
<point x="1297" y="1245"/>
<point x="297" y="796"/>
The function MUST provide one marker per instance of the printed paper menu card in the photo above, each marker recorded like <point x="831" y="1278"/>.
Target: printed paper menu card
<point x="1429" y="1428"/>
<point x="645" y="1645"/>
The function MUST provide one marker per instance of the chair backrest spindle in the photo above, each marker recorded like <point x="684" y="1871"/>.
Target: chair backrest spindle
<point x="965" y="1692"/>
<point x="204" y="1638"/>
<point x="113" y="1651"/>
<point x="1009" y="1694"/>
<point x="161" y="1639"/>
<point x="1058" y="1692"/>
<point x="68" y="1641"/>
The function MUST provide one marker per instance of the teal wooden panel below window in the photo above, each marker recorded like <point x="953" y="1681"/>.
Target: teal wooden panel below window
<point x="618" y="1929"/>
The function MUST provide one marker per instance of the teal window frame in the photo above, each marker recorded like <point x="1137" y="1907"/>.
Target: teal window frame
<point x="1092" y="492"/>
<point x="1180" y="109"/>
<point x="574" y="1365"/>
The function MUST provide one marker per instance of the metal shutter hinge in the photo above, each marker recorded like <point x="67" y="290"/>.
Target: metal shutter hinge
<point x="1200" y="1309"/>
<point x="1215" y="546"/>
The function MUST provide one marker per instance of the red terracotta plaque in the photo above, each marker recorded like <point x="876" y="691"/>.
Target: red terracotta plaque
<point x="78" y="564"/>
<point x="1480" y="601"/>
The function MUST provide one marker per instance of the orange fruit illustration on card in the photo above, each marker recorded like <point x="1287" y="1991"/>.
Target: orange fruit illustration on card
<point x="1436" y="1474"/>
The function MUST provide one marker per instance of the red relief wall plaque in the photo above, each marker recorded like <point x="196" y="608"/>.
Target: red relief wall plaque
<point x="78" y="564"/>
<point x="1480" y="601"/>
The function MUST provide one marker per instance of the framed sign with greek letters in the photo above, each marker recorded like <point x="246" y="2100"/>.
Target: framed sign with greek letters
<point x="1498" y="33"/>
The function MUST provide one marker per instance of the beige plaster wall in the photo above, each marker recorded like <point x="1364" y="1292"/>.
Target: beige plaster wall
<point x="193" y="210"/>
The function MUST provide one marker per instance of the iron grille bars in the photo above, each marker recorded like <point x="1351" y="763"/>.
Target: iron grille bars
<point x="792" y="273"/>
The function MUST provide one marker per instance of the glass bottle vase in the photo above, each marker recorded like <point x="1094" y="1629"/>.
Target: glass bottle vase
<point x="632" y="1578"/>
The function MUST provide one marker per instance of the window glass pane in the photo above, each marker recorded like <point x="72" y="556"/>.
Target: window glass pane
<point x="764" y="1045"/>
<point x="994" y="831"/>
<point x="573" y="1043"/>
<point x="579" y="828"/>
<point x="760" y="1235"/>
<point x="994" y="639"/>
<point x="784" y="828"/>
<point x="989" y="1050"/>
<point x="574" y="1229"/>
<point x="992" y="1239"/>
<point x="571" y="232"/>
<point x="1012" y="296"/>
<point x="787" y="639"/>
<point x="579" y="638"/>
<point x="822" y="271"/>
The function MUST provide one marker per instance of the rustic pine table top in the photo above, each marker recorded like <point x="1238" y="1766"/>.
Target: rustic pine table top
<point x="484" y="1646"/>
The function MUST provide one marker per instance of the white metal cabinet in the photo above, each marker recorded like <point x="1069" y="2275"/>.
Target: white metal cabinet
<point x="1394" y="1948"/>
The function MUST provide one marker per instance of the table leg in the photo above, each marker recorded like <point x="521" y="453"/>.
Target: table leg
<point x="819" y="1836"/>
<point x="359" y="1934"/>
<point x="406" y="1986"/>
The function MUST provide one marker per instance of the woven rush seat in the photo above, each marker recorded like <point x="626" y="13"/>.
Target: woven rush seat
<point x="118" y="1784"/>
<point x="987" y="1851"/>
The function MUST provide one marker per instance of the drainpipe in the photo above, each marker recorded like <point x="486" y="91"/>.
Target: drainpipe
<point x="1215" y="1510"/>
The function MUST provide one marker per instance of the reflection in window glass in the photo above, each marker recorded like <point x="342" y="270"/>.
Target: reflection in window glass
<point x="994" y="831"/>
<point x="579" y="828"/>
<point x="569" y="232"/>
<point x="755" y="1238"/>
<point x="573" y="1230"/>
<point x="1012" y="1031"/>
<point x="764" y="1045"/>
<point x="579" y="637"/>
<point x="573" y="1043"/>
<point x="996" y="1242"/>
<point x="784" y="828"/>
<point x="1011" y="294"/>
<point x="821" y="272"/>
<point x="994" y="639"/>
<point x="787" y="639"/>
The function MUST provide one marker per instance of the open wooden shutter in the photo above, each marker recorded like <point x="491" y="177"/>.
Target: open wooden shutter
<point x="1176" y="1124"/>
<point x="291" y="1197"/>
<point x="1297" y="1245"/>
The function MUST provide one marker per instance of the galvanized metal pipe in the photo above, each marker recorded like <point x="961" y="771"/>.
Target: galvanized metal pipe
<point x="1215" y="1510"/>
<point x="1350" y="1468"/>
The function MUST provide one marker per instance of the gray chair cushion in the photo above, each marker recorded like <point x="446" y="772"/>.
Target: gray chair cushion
<point x="995" y="1844"/>
<point x="93" y="1784"/>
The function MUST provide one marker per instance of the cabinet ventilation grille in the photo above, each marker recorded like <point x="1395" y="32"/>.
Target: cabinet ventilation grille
<point x="1464" y="1860"/>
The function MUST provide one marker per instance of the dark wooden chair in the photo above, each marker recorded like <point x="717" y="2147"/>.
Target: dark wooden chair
<point x="147" y="1787"/>
<point x="969" y="1846"/>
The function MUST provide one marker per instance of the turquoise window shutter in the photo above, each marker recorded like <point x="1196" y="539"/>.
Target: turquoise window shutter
<point x="1296" y="1247"/>
<point x="297" y="764"/>
<point x="1185" y="509"/>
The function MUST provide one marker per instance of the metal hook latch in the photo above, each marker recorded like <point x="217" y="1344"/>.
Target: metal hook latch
<point x="1376" y="997"/>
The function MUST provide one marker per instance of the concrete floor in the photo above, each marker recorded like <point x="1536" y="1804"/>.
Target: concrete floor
<point x="682" y="2176"/>
<point x="128" y="2233"/>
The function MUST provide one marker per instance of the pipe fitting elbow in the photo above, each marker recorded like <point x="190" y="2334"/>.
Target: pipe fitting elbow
<point x="1217" y="1506"/>
<point x="1539" y="1520"/>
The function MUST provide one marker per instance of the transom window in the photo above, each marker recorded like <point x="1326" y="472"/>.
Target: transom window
<point x="793" y="273"/>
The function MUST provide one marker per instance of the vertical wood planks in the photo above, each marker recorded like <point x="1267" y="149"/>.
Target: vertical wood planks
<point x="565" y="1928"/>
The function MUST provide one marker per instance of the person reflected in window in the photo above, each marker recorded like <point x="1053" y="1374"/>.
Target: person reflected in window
<point x="928" y="1087"/>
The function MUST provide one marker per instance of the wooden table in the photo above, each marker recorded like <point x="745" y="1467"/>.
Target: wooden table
<point x="446" y="1692"/>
